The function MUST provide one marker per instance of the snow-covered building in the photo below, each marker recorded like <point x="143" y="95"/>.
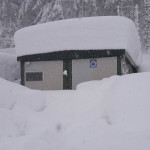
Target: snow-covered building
<point x="61" y="54"/>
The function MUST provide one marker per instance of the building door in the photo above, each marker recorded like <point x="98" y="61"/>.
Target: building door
<point x="44" y="75"/>
<point x="92" y="69"/>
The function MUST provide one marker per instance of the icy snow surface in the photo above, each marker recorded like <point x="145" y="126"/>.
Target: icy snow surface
<point x="109" y="32"/>
<point x="111" y="114"/>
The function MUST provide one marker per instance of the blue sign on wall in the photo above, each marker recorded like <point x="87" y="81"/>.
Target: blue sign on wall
<point x="93" y="63"/>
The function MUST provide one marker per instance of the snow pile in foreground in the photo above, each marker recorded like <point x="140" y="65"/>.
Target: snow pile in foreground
<point x="17" y="106"/>
<point x="108" y="32"/>
<point x="9" y="67"/>
<point x="112" y="114"/>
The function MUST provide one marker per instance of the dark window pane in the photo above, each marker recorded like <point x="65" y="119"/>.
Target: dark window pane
<point x="34" y="76"/>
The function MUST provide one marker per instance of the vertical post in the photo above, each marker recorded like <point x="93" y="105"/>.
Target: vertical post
<point x="118" y="65"/>
<point x="22" y="73"/>
<point x="67" y="76"/>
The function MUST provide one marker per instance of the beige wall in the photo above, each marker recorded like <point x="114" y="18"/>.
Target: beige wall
<point x="52" y="75"/>
<point x="82" y="72"/>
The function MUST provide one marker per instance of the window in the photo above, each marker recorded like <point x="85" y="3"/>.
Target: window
<point x="34" y="76"/>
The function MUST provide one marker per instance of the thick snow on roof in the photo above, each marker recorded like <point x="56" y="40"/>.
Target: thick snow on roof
<point x="111" y="32"/>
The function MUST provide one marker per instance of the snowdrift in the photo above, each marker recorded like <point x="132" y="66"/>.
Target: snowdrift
<point x="145" y="62"/>
<point x="17" y="105"/>
<point x="9" y="67"/>
<point x="112" y="114"/>
<point x="109" y="32"/>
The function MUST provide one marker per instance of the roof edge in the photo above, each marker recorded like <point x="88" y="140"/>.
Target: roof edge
<point x="71" y="54"/>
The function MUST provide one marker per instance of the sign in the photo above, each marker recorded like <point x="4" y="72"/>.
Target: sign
<point x="93" y="63"/>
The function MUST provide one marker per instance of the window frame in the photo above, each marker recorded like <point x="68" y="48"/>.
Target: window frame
<point x="34" y="80"/>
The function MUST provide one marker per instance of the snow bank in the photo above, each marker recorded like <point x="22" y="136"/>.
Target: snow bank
<point x="125" y="100"/>
<point x="12" y="94"/>
<point x="17" y="104"/>
<point x="111" y="32"/>
<point x="109" y="114"/>
<point x="145" y="63"/>
<point x="9" y="67"/>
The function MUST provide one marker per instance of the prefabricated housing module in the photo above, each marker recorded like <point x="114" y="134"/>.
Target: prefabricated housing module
<point x="60" y="55"/>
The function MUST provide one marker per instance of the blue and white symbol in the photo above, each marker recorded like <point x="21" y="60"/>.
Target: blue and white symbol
<point x="93" y="63"/>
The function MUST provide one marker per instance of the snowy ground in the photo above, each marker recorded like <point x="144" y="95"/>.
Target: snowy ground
<point x="112" y="114"/>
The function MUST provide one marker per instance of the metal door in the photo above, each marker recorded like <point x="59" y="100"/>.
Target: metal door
<point x="52" y="72"/>
<point x="92" y="69"/>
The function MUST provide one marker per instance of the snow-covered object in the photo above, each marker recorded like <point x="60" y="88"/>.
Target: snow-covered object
<point x="145" y="62"/>
<point x="9" y="67"/>
<point x="109" y="32"/>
